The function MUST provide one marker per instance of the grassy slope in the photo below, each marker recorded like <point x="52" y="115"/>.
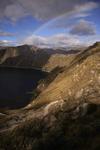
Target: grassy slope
<point x="74" y="125"/>
<point x="80" y="78"/>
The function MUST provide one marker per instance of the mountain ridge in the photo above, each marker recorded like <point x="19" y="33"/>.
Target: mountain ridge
<point x="30" y="56"/>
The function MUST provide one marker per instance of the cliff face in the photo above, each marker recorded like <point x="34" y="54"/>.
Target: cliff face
<point x="66" y="114"/>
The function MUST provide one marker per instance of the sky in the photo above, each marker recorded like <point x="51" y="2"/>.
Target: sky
<point x="49" y="23"/>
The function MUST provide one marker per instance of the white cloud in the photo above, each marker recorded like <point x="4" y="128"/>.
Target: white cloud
<point x="5" y="42"/>
<point x="87" y="6"/>
<point x="59" y="40"/>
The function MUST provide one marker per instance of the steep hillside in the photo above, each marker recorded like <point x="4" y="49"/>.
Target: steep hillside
<point x="81" y="78"/>
<point x="65" y="115"/>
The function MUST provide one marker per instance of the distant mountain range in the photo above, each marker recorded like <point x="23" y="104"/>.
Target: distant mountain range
<point x="31" y="56"/>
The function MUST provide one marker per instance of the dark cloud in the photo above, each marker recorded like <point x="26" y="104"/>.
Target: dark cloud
<point x="10" y="9"/>
<point x="42" y="9"/>
<point x="83" y="28"/>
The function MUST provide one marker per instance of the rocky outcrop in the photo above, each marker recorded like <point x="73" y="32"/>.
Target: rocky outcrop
<point x="55" y="126"/>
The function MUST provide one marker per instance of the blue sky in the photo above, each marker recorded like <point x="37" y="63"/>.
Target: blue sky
<point x="47" y="23"/>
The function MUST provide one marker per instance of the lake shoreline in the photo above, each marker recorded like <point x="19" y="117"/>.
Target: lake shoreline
<point x="16" y="84"/>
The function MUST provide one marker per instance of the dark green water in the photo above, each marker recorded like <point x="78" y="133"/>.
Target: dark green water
<point x="16" y="84"/>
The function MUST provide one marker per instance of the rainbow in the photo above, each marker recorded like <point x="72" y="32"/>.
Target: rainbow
<point x="52" y="21"/>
